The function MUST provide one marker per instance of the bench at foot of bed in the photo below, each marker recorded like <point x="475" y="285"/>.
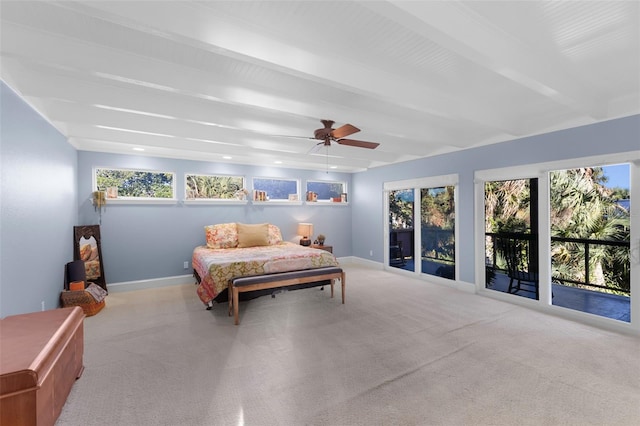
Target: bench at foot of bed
<point x="283" y="279"/>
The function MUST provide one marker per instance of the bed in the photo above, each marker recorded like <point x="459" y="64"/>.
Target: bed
<point x="239" y="250"/>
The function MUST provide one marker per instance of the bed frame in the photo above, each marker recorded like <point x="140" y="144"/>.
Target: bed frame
<point x="283" y="279"/>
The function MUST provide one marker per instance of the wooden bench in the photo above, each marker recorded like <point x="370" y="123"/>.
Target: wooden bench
<point x="41" y="360"/>
<point x="282" y="279"/>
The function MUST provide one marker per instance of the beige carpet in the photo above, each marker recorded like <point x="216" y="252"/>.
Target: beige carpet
<point x="399" y="352"/>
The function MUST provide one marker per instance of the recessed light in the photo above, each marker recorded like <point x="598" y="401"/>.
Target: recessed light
<point x="227" y="157"/>
<point x="138" y="149"/>
<point x="278" y="162"/>
<point x="333" y="167"/>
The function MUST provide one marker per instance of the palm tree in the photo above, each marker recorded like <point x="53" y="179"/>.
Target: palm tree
<point x="582" y="207"/>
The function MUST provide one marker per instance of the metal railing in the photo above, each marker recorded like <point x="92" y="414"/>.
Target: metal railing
<point x="587" y="243"/>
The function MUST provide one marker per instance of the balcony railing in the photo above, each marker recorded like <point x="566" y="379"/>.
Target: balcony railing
<point x="587" y="245"/>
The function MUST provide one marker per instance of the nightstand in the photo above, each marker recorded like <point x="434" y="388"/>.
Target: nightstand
<point x="323" y="247"/>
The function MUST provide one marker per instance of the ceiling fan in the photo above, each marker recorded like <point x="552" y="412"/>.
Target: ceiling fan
<point x="328" y="134"/>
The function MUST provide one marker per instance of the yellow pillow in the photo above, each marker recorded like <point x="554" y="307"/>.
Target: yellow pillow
<point x="253" y="235"/>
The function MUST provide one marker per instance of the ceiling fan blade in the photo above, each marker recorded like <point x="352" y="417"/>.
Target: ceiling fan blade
<point x="359" y="144"/>
<point x="343" y="131"/>
<point x="292" y="137"/>
<point x="315" y="148"/>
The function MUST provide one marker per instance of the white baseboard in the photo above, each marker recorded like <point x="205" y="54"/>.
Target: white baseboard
<point x="151" y="283"/>
<point x="459" y="285"/>
<point x="362" y="261"/>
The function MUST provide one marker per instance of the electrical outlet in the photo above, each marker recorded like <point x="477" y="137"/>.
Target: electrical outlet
<point x="186" y="265"/>
<point x="370" y="252"/>
<point x="42" y="305"/>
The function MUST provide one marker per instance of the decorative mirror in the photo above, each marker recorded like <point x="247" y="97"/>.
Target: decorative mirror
<point x="86" y="246"/>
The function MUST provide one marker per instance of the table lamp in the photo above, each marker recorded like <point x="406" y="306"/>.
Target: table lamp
<point x="305" y="229"/>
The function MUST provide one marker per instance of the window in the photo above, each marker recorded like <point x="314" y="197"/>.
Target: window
<point x="437" y="223"/>
<point x="208" y="187"/>
<point x="421" y="231"/>
<point x="511" y="237"/>
<point x="590" y="231"/>
<point x="326" y="191"/>
<point x="568" y="229"/>
<point x="271" y="189"/>
<point x="135" y="184"/>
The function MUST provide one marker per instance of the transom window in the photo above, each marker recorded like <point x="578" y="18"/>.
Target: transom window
<point x="326" y="191"/>
<point x="275" y="189"/>
<point x="208" y="187"/>
<point x="135" y="184"/>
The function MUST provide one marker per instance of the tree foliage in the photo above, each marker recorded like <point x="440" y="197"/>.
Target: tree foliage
<point x="202" y="186"/>
<point x="133" y="183"/>
<point x="581" y="207"/>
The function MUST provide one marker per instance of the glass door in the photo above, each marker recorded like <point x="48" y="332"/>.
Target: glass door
<point x="401" y="229"/>
<point x="591" y="240"/>
<point x="511" y="237"/>
<point x="437" y="230"/>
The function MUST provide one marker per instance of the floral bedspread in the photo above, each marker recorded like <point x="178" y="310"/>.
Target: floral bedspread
<point x="217" y="266"/>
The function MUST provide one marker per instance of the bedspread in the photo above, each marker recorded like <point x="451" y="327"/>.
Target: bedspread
<point x="217" y="266"/>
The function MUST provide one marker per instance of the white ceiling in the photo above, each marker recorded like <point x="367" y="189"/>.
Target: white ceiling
<point x="204" y="80"/>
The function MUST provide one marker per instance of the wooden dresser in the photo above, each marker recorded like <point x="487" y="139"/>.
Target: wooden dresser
<point x="40" y="359"/>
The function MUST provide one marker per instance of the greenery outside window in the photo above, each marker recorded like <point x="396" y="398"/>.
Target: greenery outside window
<point x="324" y="191"/>
<point x="131" y="184"/>
<point x="214" y="187"/>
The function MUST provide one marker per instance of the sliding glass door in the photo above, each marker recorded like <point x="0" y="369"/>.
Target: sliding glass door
<point x="401" y="229"/>
<point x="511" y="237"/>
<point x="566" y="237"/>
<point x="590" y="240"/>
<point x="421" y="225"/>
<point x="437" y="225"/>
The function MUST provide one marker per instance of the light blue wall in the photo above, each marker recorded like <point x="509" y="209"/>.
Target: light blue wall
<point x="152" y="241"/>
<point x="37" y="207"/>
<point x="613" y="136"/>
<point x="46" y="187"/>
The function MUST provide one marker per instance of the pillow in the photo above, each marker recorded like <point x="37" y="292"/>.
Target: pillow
<point x="222" y="235"/>
<point x="275" y="236"/>
<point x="253" y="235"/>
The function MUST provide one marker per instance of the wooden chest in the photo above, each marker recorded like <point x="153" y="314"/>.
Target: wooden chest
<point x="40" y="359"/>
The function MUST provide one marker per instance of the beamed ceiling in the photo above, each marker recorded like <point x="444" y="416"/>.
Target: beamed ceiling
<point x="249" y="81"/>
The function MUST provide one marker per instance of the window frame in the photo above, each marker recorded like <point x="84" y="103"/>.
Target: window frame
<point x="541" y="171"/>
<point x="214" y="200"/>
<point x="137" y="200"/>
<point x="327" y="201"/>
<point x="280" y="201"/>
<point x="416" y="185"/>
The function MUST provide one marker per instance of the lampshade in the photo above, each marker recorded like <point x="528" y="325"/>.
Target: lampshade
<point x="305" y="229"/>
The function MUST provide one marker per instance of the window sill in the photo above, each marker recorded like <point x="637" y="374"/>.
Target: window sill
<point x="211" y="201"/>
<point x="278" y="203"/>
<point x="325" y="203"/>
<point x="112" y="201"/>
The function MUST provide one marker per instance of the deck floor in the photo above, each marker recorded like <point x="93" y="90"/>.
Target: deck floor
<point x="592" y="302"/>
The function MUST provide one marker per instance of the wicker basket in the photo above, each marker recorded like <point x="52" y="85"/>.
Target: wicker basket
<point x="83" y="299"/>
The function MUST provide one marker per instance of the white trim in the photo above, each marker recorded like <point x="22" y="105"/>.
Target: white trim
<point x="211" y="201"/>
<point x="325" y="203"/>
<point x="150" y="283"/>
<point x="425" y="182"/>
<point x="111" y="201"/>
<point x="535" y="170"/>
<point x="366" y="262"/>
<point x="277" y="203"/>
